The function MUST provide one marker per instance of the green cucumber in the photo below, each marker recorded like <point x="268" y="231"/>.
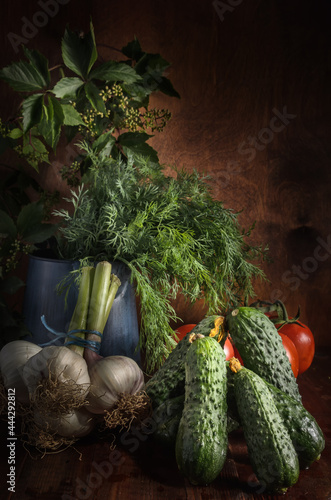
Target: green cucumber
<point x="270" y="448"/>
<point x="261" y="348"/>
<point x="169" y="380"/>
<point x="305" y="433"/>
<point x="202" y="439"/>
<point x="167" y="417"/>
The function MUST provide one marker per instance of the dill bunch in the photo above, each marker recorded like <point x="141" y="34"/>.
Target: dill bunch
<point x="169" y="231"/>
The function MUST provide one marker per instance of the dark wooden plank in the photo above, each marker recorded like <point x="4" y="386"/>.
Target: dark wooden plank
<point x="137" y="468"/>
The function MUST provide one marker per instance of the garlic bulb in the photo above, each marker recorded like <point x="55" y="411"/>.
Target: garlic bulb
<point x="110" y="377"/>
<point x="13" y="356"/>
<point x="77" y="423"/>
<point x="62" y="369"/>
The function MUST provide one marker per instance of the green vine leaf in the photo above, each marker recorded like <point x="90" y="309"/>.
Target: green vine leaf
<point x="71" y="116"/>
<point x="51" y="122"/>
<point x="104" y="144"/>
<point x="133" y="50"/>
<point x="113" y="71"/>
<point x="23" y="77"/>
<point x="141" y="152"/>
<point x="15" y="133"/>
<point x="30" y="225"/>
<point x="130" y="139"/>
<point x="151" y="67"/>
<point x="67" y="87"/>
<point x="138" y="93"/>
<point x="29" y="215"/>
<point x="79" y="52"/>
<point x="39" y="233"/>
<point x="153" y="64"/>
<point x="93" y="95"/>
<point x="165" y="86"/>
<point x="34" y="150"/>
<point x="32" y="111"/>
<point x="39" y="62"/>
<point x="37" y="145"/>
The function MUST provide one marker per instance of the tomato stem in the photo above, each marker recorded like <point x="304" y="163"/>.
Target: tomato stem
<point x="281" y="318"/>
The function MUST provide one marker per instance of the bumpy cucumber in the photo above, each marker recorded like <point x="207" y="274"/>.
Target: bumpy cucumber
<point x="261" y="348"/>
<point x="271" y="451"/>
<point x="202" y="439"/>
<point x="167" y="417"/>
<point x="305" y="433"/>
<point x="169" y="380"/>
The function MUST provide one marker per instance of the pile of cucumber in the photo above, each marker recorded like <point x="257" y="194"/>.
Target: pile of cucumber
<point x="198" y="398"/>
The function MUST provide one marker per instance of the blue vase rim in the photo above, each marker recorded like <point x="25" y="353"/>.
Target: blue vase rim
<point x="49" y="259"/>
<point x="70" y="261"/>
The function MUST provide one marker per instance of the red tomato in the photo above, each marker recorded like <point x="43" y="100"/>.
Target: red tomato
<point x="304" y="342"/>
<point x="181" y="331"/>
<point x="292" y="353"/>
<point x="228" y="349"/>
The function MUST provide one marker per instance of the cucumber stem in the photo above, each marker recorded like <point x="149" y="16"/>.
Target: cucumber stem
<point x="235" y="365"/>
<point x="218" y="331"/>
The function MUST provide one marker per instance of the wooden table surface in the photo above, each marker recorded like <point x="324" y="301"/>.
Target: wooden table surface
<point x="138" y="469"/>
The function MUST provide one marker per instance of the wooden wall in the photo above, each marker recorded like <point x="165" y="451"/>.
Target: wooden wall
<point x="254" y="79"/>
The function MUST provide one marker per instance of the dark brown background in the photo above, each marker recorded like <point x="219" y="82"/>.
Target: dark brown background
<point x="236" y="70"/>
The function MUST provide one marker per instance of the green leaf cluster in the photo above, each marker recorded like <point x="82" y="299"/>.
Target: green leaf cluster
<point x="93" y="99"/>
<point x="172" y="235"/>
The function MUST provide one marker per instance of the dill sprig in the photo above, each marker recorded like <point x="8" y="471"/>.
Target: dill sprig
<point x="172" y="235"/>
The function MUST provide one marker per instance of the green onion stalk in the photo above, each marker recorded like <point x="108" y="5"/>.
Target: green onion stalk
<point x="79" y="316"/>
<point x="97" y="291"/>
<point x="103" y="292"/>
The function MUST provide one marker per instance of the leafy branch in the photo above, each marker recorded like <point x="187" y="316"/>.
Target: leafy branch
<point x="99" y="102"/>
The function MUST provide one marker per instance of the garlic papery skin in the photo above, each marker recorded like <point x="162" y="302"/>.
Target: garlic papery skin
<point x="61" y="367"/>
<point x="13" y="356"/>
<point x="75" y="424"/>
<point x="110" y="377"/>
